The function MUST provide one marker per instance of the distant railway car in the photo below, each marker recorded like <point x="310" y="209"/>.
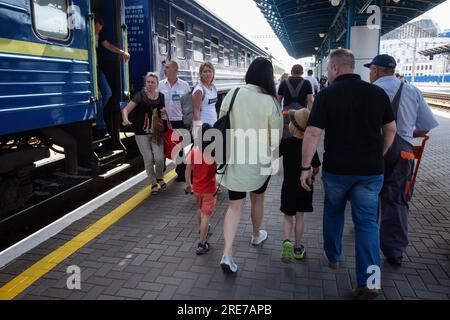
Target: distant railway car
<point x="183" y="30"/>
<point x="434" y="78"/>
<point x="48" y="85"/>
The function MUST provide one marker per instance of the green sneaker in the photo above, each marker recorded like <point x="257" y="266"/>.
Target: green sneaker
<point x="286" y="251"/>
<point x="299" y="253"/>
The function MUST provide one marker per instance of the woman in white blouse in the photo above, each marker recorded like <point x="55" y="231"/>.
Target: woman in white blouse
<point x="204" y="98"/>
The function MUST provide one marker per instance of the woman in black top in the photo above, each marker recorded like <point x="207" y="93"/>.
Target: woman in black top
<point x="148" y="129"/>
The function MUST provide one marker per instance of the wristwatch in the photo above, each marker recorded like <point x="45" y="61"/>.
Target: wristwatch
<point x="306" y="168"/>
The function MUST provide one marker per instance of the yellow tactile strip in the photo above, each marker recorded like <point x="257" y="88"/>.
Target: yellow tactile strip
<point x="20" y="283"/>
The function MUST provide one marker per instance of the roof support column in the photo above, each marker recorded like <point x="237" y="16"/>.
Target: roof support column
<point x="350" y="20"/>
<point x="379" y="3"/>
<point x="330" y="41"/>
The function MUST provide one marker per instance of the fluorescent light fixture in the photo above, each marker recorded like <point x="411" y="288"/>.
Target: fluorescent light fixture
<point x="335" y="3"/>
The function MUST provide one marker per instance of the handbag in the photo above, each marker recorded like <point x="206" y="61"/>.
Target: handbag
<point x="223" y="125"/>
<point x="172" y="142"/>
<point x="158" y="128"/>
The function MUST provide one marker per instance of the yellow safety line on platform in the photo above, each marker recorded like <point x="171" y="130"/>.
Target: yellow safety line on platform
<point x="20" y="283"/>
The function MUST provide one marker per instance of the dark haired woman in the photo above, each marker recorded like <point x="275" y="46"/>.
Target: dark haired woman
<point x="255" y="114"/>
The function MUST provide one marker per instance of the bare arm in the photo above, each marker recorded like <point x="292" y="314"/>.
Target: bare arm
<point x="389" y="131"/>
<point x="419" y="134"/>
<point x="310" y="143"/>
<point x="130" y="106"/>
<point x="197" y="102"/>
<point x="279" y="98"/>
<point x="310" y="99"/>
<point x="108" y="45"/>
<point x="187" y="176"/>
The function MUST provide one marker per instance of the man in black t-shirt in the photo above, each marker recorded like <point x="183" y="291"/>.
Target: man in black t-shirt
<point x="359" y="128"/>
<point x="296" y="90"/>
<point x="104" y="87"/>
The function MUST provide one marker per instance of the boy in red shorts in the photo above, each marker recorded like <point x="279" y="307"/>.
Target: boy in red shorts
<point x="201" y="162"/>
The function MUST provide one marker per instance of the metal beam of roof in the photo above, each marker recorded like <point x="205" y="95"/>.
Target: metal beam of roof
<point x="445" y="49"/>
<point x="298" y="23"/>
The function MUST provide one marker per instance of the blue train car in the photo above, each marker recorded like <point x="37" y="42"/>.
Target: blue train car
<point x="183" y="30"/>
<point x="48" y="73"/>
<point x="48" y="83"/>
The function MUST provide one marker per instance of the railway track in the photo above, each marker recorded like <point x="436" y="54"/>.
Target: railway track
<point x="439" y="100"/>
<point x="39" y="214"/>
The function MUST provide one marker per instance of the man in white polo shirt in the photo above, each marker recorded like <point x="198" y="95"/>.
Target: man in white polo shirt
<point x="314" y="83"/>
<point x="173" y="89"/>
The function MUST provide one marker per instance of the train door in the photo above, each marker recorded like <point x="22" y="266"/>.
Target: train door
<point x="111" y="64"/>
<point x="124" y="64"/>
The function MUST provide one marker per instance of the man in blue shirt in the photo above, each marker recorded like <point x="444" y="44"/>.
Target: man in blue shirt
<point x="414" y="119"/>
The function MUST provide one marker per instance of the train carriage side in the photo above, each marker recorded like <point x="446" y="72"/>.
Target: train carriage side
<point x="45" y="78"/>
<point x="47" y="82"/>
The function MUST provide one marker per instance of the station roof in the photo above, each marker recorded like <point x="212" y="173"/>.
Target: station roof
<point x="302" y="25"/>
<point x="445" y="49"/>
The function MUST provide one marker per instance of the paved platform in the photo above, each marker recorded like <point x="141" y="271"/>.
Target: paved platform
<point x="149" y="253"/>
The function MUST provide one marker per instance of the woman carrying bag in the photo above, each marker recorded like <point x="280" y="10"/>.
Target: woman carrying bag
<point x="256" y="109"/>
<point x="148" y="128"/>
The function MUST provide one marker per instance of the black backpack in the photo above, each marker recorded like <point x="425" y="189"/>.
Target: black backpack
<point x="295" y="93"/>
<point x="223" y="125"/>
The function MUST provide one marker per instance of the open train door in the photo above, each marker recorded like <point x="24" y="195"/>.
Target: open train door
<point x="124" y="64"/>
<point x="113" y="66"/>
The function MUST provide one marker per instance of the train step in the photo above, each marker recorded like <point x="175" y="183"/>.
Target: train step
<point x="115" y="171"/>
<point x="97" y="141"/>
<point x="112" y="156"/>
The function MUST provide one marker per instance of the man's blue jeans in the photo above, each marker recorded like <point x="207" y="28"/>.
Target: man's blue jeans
<point x="363" y="193"/>
<point x="106" y="93"/>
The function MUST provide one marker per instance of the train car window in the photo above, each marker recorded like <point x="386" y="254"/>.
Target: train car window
<point x="242" y="59"/>
<point x="163" y="31"/>
<point x="51" y="19"/>
<point x="181" y="40"/>
<point x="226" y="54"/>
<point x="214" y="50"/>
<point x="199" y="44"/>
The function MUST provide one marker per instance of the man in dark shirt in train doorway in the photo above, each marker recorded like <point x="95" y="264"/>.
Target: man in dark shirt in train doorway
<point x="105" y="89"/>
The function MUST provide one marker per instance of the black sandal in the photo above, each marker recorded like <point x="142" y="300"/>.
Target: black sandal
<point x="155" y="189"/>
<point x="162" y="184"/>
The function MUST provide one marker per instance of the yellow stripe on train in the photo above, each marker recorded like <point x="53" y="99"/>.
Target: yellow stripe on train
<point x="41" y="50"/>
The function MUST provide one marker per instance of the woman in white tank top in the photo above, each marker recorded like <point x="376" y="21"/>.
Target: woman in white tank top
<point x="204" y="98"/>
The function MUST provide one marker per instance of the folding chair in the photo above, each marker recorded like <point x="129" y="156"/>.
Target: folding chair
<point x="418" y="152"/>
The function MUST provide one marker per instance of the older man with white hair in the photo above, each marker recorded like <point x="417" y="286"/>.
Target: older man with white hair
<point x="414" y="119"/>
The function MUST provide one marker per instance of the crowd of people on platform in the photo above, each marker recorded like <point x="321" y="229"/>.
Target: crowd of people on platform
<point x="368" y="160"/>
